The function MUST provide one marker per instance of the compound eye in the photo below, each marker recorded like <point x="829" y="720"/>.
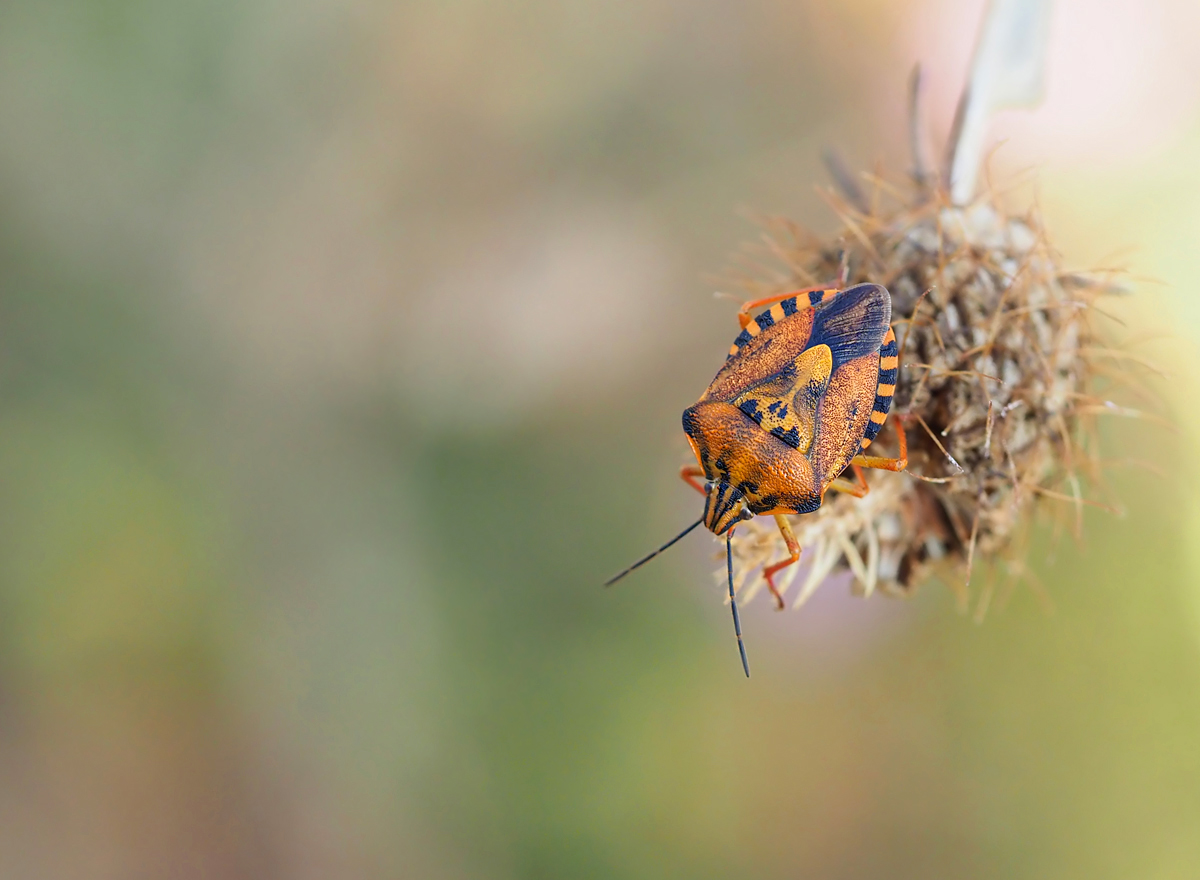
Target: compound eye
<point x="746" y="514"/>
<point x="710" y="485"/>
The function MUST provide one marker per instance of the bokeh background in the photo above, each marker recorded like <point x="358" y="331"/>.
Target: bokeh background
<point x="342" y="346"/>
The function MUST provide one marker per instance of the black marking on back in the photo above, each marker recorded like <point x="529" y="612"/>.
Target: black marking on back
<point x="791" y="436"/>
<point x="888" y="377"/>
<point x="765" y="320"/>
<point x="750" y="408"/>
<point x="689" y="422"/>
<point x="883" y="402"/>
<point x="873" y="429"/>
<point x="765" y="503"/>
<point x="854" y="323"/>
<point x="844" y="323"/>
<point x="809" y="505"/>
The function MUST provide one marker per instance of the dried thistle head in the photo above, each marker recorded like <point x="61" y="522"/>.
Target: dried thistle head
<point x="997" y="378"/>
<point x="995" y="389"/>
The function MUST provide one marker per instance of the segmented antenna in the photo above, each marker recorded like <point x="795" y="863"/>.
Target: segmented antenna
<point x="612" y="580"/>
<point x="737" y="624"/>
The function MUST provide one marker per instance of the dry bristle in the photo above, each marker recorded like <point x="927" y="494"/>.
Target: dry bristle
<point x="995" y="386"/>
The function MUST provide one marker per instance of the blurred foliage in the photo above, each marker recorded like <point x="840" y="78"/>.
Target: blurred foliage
<point x="280" y="597"/>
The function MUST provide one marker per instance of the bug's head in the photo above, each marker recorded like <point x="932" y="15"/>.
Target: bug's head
<point x="724" y="507"/>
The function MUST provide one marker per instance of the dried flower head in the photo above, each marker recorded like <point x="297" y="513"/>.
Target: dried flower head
<point x="995" y="389"/>
<point x="997" y="354"/>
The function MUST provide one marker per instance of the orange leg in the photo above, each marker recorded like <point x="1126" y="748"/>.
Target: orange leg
<point x="858" y="490"/>
<point x="688" y="474"/>
<point x="793" y="546"/>
<point x="843" y="277"/>
<point x="898" y="463"/>
<point x="744" y="312"/>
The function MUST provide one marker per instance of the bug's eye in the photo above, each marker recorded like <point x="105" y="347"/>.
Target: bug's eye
<point x="746" y="513"/>
<point x="708" y="487"/>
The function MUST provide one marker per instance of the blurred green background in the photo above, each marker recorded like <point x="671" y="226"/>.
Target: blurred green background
<point x="342" y="347"/>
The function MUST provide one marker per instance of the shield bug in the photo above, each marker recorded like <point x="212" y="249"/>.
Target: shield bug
<point x="805" y="389"/>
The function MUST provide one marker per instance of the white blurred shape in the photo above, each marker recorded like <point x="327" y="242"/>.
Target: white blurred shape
<point x="1007" y="71"/>
<point x="1122" y="78"/>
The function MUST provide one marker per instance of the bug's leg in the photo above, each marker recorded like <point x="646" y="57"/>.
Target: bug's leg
<point x="899" y="463"/>
<point x="744" y="318"/>
<point x="789" y="538"/>
<point x="858" y="490"/>
<point x="688" y="474"/>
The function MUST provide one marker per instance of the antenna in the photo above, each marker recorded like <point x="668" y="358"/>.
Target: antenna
<point x="612" y="580"/>
<point x="737" y="624"/>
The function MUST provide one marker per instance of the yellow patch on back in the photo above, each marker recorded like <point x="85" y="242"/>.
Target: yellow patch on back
<point x="786" y="404"/>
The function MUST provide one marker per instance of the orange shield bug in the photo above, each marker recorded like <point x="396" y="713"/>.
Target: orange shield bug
<point x="804" y="391"/>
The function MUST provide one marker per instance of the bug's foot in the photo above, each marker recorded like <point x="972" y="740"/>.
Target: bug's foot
<point x="779" y="606"/>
